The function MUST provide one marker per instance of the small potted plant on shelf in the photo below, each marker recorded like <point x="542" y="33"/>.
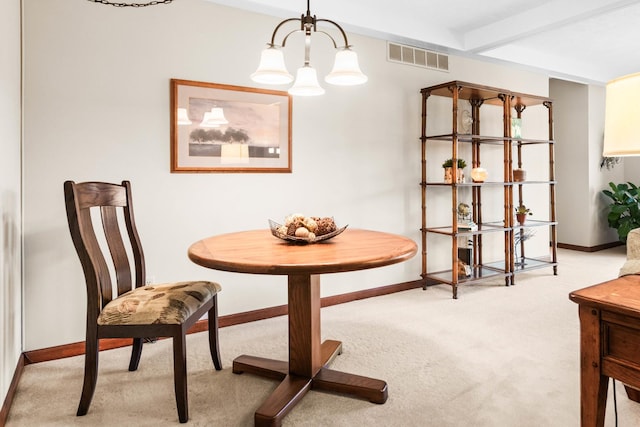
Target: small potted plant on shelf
<point x="521" y="213"/>
<point x="519" y="175"/>
<point x="448" y="168"/>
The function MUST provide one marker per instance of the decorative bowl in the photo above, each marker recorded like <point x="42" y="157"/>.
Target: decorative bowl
<point x="274" y="230"/>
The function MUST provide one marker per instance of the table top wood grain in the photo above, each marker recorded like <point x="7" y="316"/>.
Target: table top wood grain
<point x="621" y="294"/>
<point x="259" y="252"/>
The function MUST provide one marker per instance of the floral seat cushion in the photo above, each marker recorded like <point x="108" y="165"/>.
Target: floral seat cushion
<point x="170" y="304"/>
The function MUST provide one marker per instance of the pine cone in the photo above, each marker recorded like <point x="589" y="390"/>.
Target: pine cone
<point x="325" y="225"/>
<point x="291" y="229"/>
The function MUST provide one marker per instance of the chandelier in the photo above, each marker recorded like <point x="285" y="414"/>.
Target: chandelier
<point x="272" y="70"/>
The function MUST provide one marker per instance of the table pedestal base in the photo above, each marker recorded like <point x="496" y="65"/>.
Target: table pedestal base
<point x="293" y="387"/>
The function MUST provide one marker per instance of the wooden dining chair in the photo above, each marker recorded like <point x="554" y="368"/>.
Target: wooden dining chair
<point x="136" y="311"/>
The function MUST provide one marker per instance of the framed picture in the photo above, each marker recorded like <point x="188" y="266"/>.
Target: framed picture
<point x="223" y="128"/>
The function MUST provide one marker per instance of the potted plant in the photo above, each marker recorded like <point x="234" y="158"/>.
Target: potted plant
<point x="448" y="170"/>
<point x="624" y="209"/>
<point x="521" y="213"/>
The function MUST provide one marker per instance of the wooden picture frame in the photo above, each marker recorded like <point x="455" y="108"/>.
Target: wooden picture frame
<point x="245" y="129"/>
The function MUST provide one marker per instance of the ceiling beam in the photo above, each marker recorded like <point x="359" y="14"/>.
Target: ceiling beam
<point x="546" y="17"/>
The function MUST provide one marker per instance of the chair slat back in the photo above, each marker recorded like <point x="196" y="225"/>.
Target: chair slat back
<point x="113" y="235"/>
<point x="109" y="199"/>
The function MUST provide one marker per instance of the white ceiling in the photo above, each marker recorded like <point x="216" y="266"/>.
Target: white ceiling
<point x="582" y="40"/>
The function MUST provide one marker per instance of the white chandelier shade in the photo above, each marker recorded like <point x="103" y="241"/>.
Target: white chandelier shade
<point x="346" y="70"/>
<point x="272" y="69"/>
<point x="306" y="83"/>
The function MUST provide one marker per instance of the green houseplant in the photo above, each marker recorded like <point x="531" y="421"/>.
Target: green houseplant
<point x="521" y="213"/>
<point x="449" y="164"/>
<point x="624" y="209"/>
<point x="448" y="170"/>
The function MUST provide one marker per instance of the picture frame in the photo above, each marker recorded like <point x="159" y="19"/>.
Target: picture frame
<point x="226" y="128"/>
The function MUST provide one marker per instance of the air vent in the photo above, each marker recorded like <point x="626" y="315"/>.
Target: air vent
<point x="416" y="56"/>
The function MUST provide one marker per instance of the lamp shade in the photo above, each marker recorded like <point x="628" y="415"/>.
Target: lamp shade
<point x="622" y="113"/>
<point x="271" y="69"/>
<point x="183" y="117"/>
<point x="346" y="71"/>
<point x="306" y="83"/>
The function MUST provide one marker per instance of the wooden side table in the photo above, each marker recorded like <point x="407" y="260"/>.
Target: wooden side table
<point x="609" y="343"/>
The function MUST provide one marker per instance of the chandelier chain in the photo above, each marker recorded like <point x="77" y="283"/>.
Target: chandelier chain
<point x="151" y="3"/>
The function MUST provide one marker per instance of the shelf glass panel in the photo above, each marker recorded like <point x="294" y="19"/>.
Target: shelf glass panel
<point x="479" y="273"/>
<point x="467" y="184"/>
<point x="488" y="139"/>
<point x="466" y="137"/>
<point x="528" y="141"/>
<point x="486" y="183"/>
<point x="485" y="227"/>
<point x="496" y="265"/>
<point x="532" y="264"/>
<point x="533" y="223"/>
<point x="532" y="182"/>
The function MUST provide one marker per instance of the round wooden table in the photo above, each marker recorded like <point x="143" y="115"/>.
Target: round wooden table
<point x="259" y="252"/>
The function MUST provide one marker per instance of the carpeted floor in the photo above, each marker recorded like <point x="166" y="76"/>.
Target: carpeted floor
<point x="497" y="356"/>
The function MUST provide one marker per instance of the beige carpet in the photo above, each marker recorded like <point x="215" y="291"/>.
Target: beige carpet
<point x="497" y="356"/>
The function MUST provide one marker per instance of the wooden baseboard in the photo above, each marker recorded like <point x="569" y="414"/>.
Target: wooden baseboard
<point x="77" y="349"/>
<point x="369" y="293"/>
<point x="589" y="248"/>
<point x="6" y="405"/>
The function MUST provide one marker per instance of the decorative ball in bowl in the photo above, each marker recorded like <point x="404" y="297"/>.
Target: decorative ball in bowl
<point x="305" y="229"/>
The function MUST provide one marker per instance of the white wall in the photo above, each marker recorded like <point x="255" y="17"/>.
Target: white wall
<point x="570" y="109"/>
<point x="97" y="108"/>
<point x="10" y="203"/>
<point x="631" y="169"/>
<point x="579" y="130"/>
<point x="599" y="178"/>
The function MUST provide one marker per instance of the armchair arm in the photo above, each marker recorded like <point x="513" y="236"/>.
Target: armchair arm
<point x="632" y="265"/>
